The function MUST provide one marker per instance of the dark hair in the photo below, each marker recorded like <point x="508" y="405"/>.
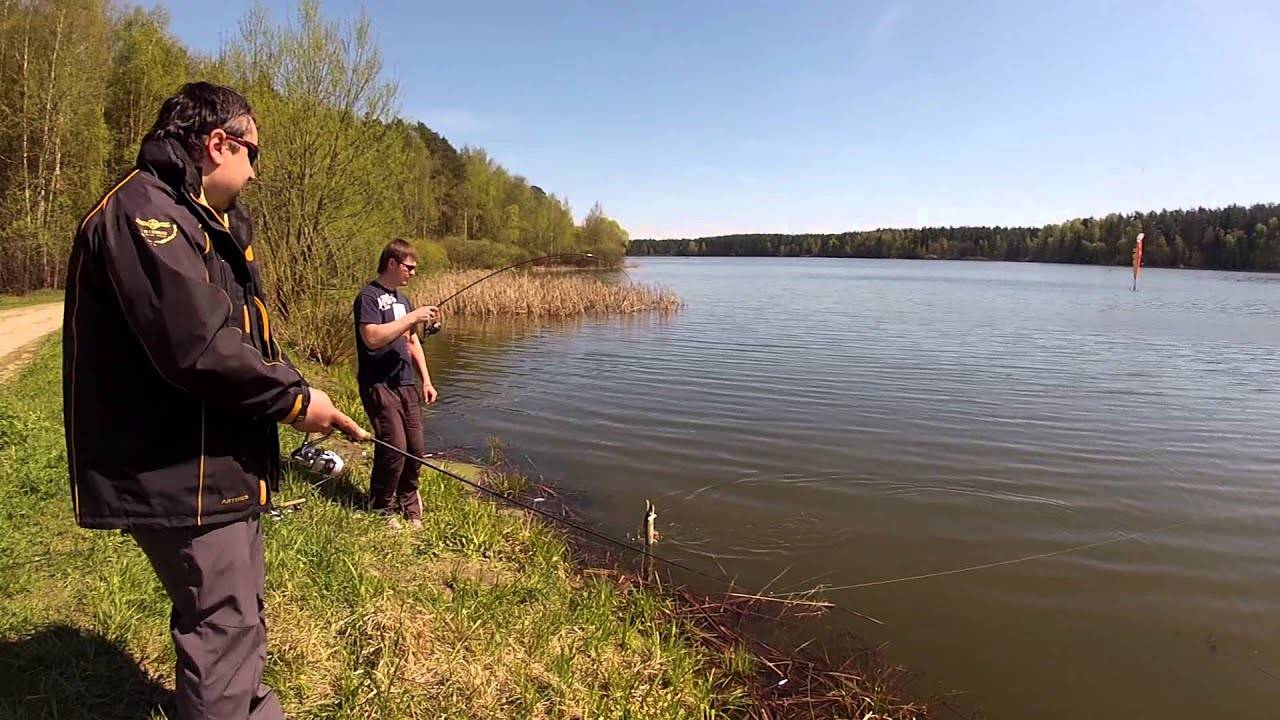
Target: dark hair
<point x="198" y="109"/>
<point x="398" y="250"/>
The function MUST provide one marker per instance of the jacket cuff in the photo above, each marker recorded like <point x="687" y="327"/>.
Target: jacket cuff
<point x="301" y="402"/>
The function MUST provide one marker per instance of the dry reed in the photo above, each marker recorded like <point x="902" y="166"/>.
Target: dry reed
<point x="544" y="294"/>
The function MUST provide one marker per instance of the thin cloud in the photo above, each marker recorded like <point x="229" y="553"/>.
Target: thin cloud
<point x="887" y="22"/>
<point x="459" y="121"/>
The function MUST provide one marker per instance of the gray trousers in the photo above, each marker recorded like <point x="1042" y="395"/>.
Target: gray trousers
<point x="214" y="576"/>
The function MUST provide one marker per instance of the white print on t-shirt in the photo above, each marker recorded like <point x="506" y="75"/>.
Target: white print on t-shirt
<point x="397" y="311"/>
<point x="386" y="300"/>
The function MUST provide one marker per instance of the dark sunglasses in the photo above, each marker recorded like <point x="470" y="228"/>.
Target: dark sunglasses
<point x="408" y="266"/>
<point x="251" y="148"/>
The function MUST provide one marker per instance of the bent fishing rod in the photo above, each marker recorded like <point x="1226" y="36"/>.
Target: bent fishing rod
<point x="434" y="327"/>
<point x="306" y="455"/>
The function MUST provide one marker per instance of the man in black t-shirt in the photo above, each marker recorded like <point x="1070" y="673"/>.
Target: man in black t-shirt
<point x="389" y="354"/>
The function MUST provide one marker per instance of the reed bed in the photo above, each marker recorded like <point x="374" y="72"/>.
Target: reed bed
<point x="544" y="294"/>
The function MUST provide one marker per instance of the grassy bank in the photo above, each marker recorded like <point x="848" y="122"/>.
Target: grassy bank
<point x="482" y="614"/>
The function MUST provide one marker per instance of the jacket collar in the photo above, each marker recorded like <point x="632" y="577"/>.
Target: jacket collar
<point x="169" y="161"/>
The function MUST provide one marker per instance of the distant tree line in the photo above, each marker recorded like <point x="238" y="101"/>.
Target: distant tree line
<point x="1231" y="238"/>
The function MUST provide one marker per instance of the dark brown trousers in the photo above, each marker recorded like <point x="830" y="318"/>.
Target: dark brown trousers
<point x="396" y="415"/>
<point x="214" y="576"/>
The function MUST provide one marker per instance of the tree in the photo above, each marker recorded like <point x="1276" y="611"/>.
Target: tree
<point x="1234" y="238"/>
<point x="52" y="73"/>
<point x="147" y="66"/>
<point x="330" y="186"/>
<point x="603" y="237"/>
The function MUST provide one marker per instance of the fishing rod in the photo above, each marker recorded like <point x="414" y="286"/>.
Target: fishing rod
<point x="422" y="460"/>
<point x="434" y="327"/>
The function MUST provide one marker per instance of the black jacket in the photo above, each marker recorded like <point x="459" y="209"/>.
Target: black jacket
<point x="172" y="380"/>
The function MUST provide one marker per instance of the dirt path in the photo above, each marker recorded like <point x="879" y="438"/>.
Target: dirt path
<point x="20" y="328"/>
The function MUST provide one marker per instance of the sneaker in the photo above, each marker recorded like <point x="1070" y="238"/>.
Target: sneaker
<point x="394" y="523"/>
<point x="416" y="524"/>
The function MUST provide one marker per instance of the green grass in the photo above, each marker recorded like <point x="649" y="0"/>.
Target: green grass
<point x="482" y="614"/>
<point x="33" y="298"/>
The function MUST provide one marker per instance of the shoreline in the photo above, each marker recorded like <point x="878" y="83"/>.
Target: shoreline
<point x="751" y="637"/>
<point x="485" y="613"/>
<point x="959" y="259"/>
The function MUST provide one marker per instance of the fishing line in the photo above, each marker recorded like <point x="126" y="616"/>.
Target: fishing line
<point x="999" y="563"/>
<point x="538" y="511"/>
<point x="422" y="460"/>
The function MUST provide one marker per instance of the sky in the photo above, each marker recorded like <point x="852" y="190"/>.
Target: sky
<point x="689" y="119"/>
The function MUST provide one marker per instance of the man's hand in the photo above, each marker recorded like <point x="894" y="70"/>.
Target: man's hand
<point x="429" y="393"/>
<point x="425" y="314"/>
<point x="323" y="417"/>
<point x="378" y="335"/>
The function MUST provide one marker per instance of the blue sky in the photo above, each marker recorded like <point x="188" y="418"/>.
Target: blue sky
<point x="702" y="118"/>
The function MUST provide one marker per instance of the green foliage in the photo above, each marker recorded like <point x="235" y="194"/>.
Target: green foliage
<point x="603" y="237"/>
<point x="432" y="256"/>
<point x="147" y="65"/>
<point x="1231" y="238"/>
<point x="340" y="175"/>
<point x="434" y="205"/>
<point x="505" y="209"/>
<point x="480" y="253"/>
<point x="53" y="71"/>
<point x="328" y="194"/>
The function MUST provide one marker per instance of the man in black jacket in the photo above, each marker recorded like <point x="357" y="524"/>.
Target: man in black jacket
<point x="173" y="384"/>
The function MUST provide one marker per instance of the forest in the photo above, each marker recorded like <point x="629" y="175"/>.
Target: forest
<point x="341" y="172"/>
<point x="1231" y="238"/>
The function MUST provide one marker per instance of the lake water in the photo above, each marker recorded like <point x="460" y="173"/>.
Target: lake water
<point x="852" y="421"/>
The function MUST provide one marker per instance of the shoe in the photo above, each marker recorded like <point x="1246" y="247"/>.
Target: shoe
<point x="394" y="523"/>
<point x="416" y="524"/>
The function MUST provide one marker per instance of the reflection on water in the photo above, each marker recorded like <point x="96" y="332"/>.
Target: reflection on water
<point x="845" y="422"/>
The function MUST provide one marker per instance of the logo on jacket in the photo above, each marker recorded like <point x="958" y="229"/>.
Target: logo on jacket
<point x="157" y="232"/>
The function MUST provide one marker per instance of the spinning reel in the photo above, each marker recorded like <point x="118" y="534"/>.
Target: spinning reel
<point x="311" y="457"/>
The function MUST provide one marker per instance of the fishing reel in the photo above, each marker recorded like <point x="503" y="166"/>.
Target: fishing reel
<point x="431" y="328"/>
<point x="321" y="462"/>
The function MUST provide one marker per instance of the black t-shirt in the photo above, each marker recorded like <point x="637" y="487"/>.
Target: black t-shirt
<point x="391" y="363"/>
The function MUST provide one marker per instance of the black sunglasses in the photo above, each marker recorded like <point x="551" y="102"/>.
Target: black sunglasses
<point x="251" y="148"/>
